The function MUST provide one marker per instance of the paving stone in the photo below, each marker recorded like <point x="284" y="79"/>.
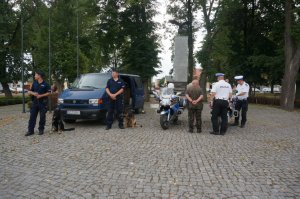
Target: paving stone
<point x="259" y="161"/>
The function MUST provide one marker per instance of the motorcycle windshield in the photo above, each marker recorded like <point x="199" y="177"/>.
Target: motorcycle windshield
<point x="167" y="92"/>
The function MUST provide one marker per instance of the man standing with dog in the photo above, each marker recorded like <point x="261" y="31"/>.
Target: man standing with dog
<point x="40" y="91"/>
<point x="194" y="96"/>
<point x="115" y="89"/>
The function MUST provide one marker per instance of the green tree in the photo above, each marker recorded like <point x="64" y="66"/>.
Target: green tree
<point x="12" y="15"/>
<point x="63" y="44"/>
<point x="292" y="53"/>
<point x="140" y="50"/>
<point x="247" y="41"/>
<point x="127" y="34"/>
<point x="109" y="31"/>
<point x="210" y="10"/>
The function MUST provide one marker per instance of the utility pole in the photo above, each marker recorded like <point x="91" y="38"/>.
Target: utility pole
<point x="22" y="60"/>
<point x="49" y="56"/>
<point x="77" y="41"/>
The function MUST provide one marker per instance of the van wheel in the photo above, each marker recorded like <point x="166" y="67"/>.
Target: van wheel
<point x="69" y="121"/>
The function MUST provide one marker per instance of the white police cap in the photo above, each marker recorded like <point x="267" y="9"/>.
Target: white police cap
<point x="239" y="77"/>
<point x="219" y="74"/>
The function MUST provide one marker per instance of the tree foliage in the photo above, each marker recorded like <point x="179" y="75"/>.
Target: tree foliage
<point x="248" y="38"/>
<point x="111" y="33"/>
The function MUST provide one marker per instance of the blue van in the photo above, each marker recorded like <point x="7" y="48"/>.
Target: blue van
<point x="87" y="99"/>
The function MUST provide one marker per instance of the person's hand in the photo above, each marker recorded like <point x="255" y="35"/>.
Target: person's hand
<point x="37" y="96"/>
<point x="34" y="94"/>
<point x="113" y="96"/>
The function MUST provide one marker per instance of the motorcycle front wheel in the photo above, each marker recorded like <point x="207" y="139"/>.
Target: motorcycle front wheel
<point x="164" y="123"/>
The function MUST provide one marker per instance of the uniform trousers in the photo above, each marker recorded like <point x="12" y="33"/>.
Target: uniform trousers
<point x="219" y="109"/>
<point x="115" y="106"/>
<point x="37" y="107"/>
<point x="241" y="106"/>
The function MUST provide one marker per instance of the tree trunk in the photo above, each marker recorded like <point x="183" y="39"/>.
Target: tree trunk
<point x="59" y="85"/>
<point x="272" y="87"/>
<point x="203" y="85"/>
<point x="190" y="42"/>
<point x="6" y="89"/>
<point x="292" y="61"/>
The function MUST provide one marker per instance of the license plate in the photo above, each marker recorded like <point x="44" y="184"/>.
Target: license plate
<point x="73" y="112"/>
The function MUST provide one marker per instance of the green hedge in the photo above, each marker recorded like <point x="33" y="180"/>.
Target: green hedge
<point x="269" y="100"/>
<point x="14" y="100"/>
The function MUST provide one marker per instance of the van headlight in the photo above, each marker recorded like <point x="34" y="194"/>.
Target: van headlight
<point x="60" y="101"/>
<point x="95" y="102"/>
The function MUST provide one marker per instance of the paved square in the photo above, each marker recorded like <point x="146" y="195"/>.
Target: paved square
<point x="259" y="161"/>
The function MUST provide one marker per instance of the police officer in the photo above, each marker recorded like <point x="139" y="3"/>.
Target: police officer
<point x="39" y="92"/>
<point x="221" y="93"/>
<point x="115" y="88"/>
<point x="194" y="96"/>
<point x="242" y="102"/>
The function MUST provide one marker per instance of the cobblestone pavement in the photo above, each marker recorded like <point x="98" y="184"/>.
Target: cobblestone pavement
<point x="259" y="161"/>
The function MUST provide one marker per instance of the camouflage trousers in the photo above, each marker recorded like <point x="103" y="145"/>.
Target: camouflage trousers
<point x="195" y="114"/>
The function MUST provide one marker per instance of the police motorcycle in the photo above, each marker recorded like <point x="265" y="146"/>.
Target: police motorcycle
<point x="170" y="106"/>
<point x="231" y="111"/>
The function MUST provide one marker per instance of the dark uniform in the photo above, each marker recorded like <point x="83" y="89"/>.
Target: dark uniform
<point x="115" y="105"/>
<point x="242" y="102"/>
<point x="38" y="106"/>
<point x="194" y="111"/>
<point x="220" y="105"/>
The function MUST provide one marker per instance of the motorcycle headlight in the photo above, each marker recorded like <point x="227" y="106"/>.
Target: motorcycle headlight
<point x="165" y="102"/>
<point x="60" y="101"/>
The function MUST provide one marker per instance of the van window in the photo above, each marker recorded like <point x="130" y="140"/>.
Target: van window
<point x="94" y="81"/>
<point x="138" y="82"/>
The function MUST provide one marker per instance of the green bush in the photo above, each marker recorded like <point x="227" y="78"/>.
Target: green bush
<point x="14" y="100"/>
<point x="269" y="100"/>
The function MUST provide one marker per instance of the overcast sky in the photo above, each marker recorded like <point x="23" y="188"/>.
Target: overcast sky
<point x="166" y="53"/>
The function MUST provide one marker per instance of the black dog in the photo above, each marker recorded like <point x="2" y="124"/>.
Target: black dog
<point x="57" y="123"/>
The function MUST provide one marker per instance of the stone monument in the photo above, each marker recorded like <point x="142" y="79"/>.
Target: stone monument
<point x="181" y="59"/>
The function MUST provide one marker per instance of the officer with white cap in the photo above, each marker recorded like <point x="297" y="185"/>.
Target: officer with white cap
<point x="242" y="102"/>
<point x="221" y="93"/>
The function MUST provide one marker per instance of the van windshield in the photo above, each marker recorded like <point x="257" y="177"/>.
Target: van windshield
<point x="91" y="81"/>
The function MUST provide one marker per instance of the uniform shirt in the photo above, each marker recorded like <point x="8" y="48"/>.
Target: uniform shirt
<point x="244" y="88"/>
<point x="115" y="86"/>
<point x="40" y="88"/>
<point x="194" y="93"/>
<point x="222" y="90"/>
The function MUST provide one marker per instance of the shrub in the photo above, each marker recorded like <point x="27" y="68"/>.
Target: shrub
<point x="11" y="101"/>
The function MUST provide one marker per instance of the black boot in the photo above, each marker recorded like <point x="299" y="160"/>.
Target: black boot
<point x="29" y="133"/>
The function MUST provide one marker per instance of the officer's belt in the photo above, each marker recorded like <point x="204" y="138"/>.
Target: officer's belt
<point x="221" y="99"/>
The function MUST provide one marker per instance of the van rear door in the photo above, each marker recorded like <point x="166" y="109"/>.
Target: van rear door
<point x="139" y="92"/>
